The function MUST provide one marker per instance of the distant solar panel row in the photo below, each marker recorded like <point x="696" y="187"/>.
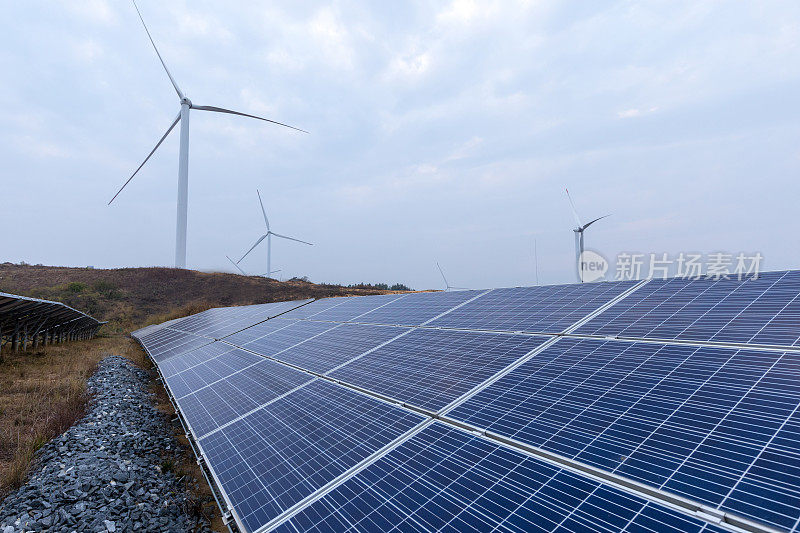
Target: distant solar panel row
<point x="754" y="311"/>
<point x="716" y="425"/>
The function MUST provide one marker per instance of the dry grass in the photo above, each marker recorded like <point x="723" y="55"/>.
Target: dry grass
<point x="43" y="392"/>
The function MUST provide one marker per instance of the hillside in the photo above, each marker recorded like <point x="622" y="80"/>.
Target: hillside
<point x="131" y="297"/>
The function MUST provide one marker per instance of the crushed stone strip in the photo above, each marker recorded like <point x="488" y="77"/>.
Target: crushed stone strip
<point x="104" y="473"/>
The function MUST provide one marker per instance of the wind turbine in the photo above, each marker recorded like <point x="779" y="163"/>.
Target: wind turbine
<point x="242" y="272"/>
<point x="234" y="263"/>
<point x="579" y="236"/>
<point x="268" y="235"/>
<point x="183" y="154"/>
<point x="447" y="285"/>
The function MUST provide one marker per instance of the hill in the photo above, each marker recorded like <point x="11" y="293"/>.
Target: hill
<point x="132" y="297"/>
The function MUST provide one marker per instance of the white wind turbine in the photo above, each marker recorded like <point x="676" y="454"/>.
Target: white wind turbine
<point x="183" y="154"/>
<point x="242" y="272"/>
<point x="579" y="236"/>
<point x="447" y="285"/>
<point x="268" y="235"/>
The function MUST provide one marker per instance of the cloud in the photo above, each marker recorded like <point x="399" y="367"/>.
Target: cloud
<point x="635" y="112"/>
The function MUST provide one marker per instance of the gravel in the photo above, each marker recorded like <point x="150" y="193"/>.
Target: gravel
<point x="109" y="472"/>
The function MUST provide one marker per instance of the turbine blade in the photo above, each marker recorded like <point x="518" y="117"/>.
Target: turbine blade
<point x="177" y="90"/>
<point x="252" y="247"/>
<point x="148" y="156"/>
<point x="266" y="220"/>
<point x="574" y="212"/>
<point x="221" y="110"/>
<point x="290" y="238"/>
<point x="595" y="220"/>
<point x="237" y="266"/>
<point x="447" y="285"/>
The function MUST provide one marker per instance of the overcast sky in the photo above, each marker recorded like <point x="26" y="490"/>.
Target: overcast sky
<point x="440" y="131"/>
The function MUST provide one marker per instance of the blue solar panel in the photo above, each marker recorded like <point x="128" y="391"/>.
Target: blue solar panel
<point x="337" y="346"/>
<point x="431" y="368"/>
<point x="276" y="456"/>
<point x="221" y="321"/>
<point x="416" y="308"/>
<point x="713" y="424"/>
<point x="443" y="479"/>
<point x="206" y="372"/>
<point x="546" y="309"/>
<point x="349" y="308"/>
<point x="761" y="311"/>
<point x="167" y="343"/>
<point x="216" y="404"/>
<point x="280" y="339"/>
<point x="181" y="362"/>
<point x="242" y="337"/>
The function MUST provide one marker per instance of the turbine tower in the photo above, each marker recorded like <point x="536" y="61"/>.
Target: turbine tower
<point x="447" y="285"/>
<point x="268" y="235"/>
<point x="183" y="154"/>
<point x="579" y="236"/>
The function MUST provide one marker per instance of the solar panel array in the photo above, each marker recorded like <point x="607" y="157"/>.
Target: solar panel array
<point x="661" y="405"/>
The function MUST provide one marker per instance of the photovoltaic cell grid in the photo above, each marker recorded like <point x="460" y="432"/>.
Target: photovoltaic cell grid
<point x="338" y="345"/>
<point x="431" y="368"/>
<point x="166" y="343"/>
<point x="416" y="308"/>
<point x="348" y="308"/>
<point x="209" y="371"/>
<point x="280" y="339"/>
<point x="443" y="479"/>
<point x="753" y="311"/>
<point x="278" y="455"/>
<point x="237" y="394"/>
<point x="188" y="359"/>
<point x="222" y="321"/>
<point x="541" y="309"/>
<point x="717" y="425"/>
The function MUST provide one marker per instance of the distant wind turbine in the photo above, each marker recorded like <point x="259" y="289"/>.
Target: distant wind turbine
<point x="268" y="235"/>
<point x="579" y="236"/>
<point x="447" y="285"/>
<point x="236" y="265"/>
<point x="243" y="273"/>
<point x="183" y="154"/>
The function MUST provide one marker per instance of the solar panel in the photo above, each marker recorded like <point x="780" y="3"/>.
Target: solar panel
<point x="280" y="339"/>
<point x="761" y="311"/>
<point x="348" y="308"/>
<point x="546" y="309"/>
<point x="716" y="426"/>
<point x="278" y="455"/>
<point x="181" y="362"/>
<point x="240" y="338"/>
<point x="209" y="371"/>
<point x="221" y="401"/>
<point x="338" y="345"/>
<point x="443" y="479"/>
<point x="168" y="343"/>
<point x="431" y="368"/>
<point x="711" y="424"/>
<point x="416" y="308"/>
<point x="222" y="321"/>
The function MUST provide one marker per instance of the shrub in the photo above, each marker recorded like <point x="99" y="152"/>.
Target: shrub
<point x="76" y="286"/>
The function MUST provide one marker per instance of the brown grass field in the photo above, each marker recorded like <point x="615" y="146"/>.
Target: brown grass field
<point x="43" y="391"/>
